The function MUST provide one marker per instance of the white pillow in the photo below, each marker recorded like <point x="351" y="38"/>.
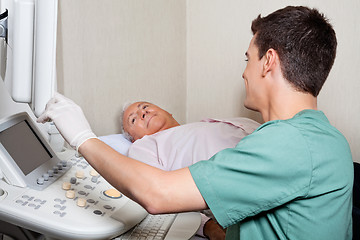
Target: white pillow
<point x="118" y="142"/>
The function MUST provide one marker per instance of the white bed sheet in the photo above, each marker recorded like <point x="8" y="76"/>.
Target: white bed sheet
<point x="118" y="142"/>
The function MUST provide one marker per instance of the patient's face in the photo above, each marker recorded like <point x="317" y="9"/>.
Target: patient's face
<point x="143" y="118"/>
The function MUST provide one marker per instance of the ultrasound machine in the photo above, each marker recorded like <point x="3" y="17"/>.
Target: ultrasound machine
<point x="46" y="190"/>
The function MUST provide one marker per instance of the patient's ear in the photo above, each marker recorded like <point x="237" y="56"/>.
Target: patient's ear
<point x="270" y="61"/>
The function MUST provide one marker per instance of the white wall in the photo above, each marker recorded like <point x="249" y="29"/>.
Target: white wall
<point x="218" y="35"/>
<point x="113" y="51"/>
<point x="188" y="57"/>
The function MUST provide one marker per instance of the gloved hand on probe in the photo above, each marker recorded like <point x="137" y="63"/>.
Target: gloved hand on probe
<point x="69" y="120"/>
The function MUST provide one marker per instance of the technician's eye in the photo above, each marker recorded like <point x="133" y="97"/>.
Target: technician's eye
<point x="145" y="106"/>
<point x="133" y="121"/>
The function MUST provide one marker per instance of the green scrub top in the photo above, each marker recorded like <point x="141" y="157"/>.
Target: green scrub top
<point x="290" y="179"/>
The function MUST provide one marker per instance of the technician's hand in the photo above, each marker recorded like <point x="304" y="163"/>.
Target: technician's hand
<point x="69" y="120"/>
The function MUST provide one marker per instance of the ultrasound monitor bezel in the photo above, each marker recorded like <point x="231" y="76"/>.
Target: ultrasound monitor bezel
<point x="12" y="171"/>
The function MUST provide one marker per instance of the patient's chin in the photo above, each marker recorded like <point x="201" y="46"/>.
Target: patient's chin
<point x="156" y="124"/>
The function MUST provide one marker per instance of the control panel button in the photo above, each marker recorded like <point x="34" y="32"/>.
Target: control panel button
<point x="79" y="174"/>
<point x="94" y="179"/>
<point x="66" y="185"/>
<point x="81" y="202"/>
<point x="70" y="194"/>
<point x="94" y="173"/>
<point x="97" y="212"/>
<point x="82" y="193"/>
<point x="107" y="207"/>
<point x="112" y="193"/>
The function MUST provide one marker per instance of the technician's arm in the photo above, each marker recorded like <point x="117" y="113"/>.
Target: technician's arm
<point x="156" y="190"/>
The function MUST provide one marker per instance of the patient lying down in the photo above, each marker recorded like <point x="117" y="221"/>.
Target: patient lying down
<point x="160" y="141"/>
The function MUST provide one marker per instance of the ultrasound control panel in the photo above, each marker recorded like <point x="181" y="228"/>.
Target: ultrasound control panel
<point x="63" y="199"/>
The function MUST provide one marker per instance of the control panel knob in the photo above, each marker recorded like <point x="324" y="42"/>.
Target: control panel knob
<point x="46" y="176"/>
<point x="73" y="180"/>
<point x="60" y="166"/>
<point x="40" y="181"/>
<point x="51" y="173"/>
<point x="63" y="163"/>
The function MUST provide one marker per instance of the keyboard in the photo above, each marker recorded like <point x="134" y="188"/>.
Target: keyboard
<point x="165" y="226"/>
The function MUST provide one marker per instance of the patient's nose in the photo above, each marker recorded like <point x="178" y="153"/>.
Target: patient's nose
<point x="142" y="113"/>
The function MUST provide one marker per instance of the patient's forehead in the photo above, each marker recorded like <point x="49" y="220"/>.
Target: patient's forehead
<point x="132" y="108"/>
<point x="129" y="109"/>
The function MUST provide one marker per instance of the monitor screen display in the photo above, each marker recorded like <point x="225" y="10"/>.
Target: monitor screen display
<point x="24" y="146"/>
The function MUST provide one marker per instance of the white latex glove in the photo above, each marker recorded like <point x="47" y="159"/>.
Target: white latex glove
<point x="69" y="120"/>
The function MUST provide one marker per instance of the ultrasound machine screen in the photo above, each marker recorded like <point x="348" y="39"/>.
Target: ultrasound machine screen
<point x="24" y="147"/>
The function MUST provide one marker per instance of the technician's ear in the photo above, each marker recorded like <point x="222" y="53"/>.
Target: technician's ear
<point x="270" y="61"/>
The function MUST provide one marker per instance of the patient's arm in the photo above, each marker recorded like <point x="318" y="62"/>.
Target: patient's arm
<point x="156" y="190"/>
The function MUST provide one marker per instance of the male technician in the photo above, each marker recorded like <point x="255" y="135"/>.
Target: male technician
<point x="290" y="179"/>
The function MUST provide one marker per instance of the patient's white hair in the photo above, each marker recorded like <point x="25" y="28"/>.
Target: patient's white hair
<point x="125" y="133"/>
